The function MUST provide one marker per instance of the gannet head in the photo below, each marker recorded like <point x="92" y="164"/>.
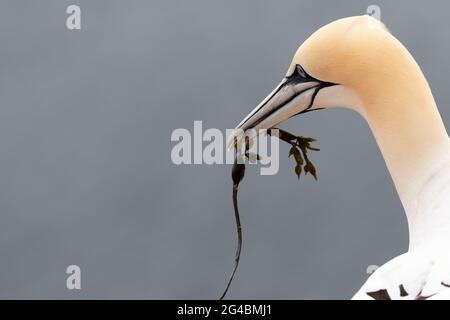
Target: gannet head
<point x="339" y="65"/>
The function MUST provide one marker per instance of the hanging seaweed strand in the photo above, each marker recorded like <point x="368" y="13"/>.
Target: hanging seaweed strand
<point x="299" y="149"/>
<point x="237" y="175"/>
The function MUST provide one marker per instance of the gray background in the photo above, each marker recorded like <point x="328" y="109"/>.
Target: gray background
<point x="85" y="170"/>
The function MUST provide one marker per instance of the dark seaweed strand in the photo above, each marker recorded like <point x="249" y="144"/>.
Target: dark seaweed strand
<point x="237" y="174"/>
<point x="239" y="244"/>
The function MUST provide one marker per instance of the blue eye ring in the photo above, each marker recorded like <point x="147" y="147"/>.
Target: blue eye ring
<point x="300" y="71"/>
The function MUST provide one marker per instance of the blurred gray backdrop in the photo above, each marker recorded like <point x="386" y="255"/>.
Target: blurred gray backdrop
<point x="85" y="171"/>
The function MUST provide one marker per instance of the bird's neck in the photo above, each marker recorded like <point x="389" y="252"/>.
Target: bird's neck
<point x="412" y="138"/>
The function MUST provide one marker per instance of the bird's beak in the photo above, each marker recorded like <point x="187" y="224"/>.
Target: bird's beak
<point x="294" y="95"/>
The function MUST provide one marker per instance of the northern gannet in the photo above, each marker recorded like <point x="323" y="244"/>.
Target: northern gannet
<point x="357" y="63"/>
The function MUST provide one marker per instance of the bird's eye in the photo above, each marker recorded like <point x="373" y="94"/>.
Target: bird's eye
<point x="300" y="71"/>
